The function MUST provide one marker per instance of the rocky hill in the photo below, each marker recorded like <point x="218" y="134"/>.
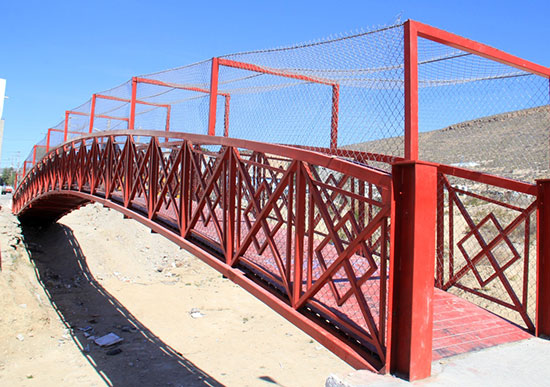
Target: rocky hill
<point x="513" y="144"/>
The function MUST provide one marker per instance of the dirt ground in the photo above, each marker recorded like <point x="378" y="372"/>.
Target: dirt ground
<point x="182" y="324"/>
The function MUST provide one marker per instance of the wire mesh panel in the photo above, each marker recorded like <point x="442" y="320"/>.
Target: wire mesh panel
<point x="345" y="92"/>
<point x="481" y="114"/>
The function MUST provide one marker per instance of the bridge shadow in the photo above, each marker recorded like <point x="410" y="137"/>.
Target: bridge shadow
<point x="87" y="309"/>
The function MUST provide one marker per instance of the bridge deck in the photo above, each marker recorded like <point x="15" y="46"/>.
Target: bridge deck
<point x="460" y="327"/>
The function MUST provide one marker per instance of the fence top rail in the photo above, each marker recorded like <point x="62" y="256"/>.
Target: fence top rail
<point x="486" y="178"/>
<point x="447" y="38"/>
<point x="380" y="178"/>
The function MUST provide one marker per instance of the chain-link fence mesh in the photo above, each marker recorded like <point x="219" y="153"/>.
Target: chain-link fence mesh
<point x="480" y="114"/>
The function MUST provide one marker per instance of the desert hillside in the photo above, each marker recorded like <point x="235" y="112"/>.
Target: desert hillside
<point x="514" y="144"/>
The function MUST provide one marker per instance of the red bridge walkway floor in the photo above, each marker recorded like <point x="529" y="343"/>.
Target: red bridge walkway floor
<point x="460" y="327"/>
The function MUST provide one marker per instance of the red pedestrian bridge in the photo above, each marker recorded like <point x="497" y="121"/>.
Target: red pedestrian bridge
<point x="388" y="254"/>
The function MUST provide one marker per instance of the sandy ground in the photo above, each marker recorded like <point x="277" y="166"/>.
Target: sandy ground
<point x="183" y="324"/>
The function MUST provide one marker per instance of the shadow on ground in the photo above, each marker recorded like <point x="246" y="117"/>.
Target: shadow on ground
<point x="88" y="309"/>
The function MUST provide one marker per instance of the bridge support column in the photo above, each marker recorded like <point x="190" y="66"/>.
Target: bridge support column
<point x="412" y="287"/>
<point x="542" y="325"/>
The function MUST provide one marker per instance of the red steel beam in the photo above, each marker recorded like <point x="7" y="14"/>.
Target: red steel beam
<point x="213" y="97"/>
<point x="98" y="115"/>
<point x="542" y="322"/>
<point x="132" y="120"/>
<point x="270" y="71"/>
<point x="226" y="117"/>
<point x="177" y="86"/>
<point x="227" y="97"/>
<point x="413" y="241"/>
<point x="301" y="77"/>
<point x="411" y="91"/>
<point x="109" y="97"/>
<point x="92" y="113"/>
<point x="435" y="34"/>
<point x="66" y="127"/>
<point x="334" y="117"/>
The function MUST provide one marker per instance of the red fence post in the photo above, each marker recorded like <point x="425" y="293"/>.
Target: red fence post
<point x="213" y="97"/>
<point x="334" y="117"/>
<point x="132" y="119"/>
<point x="226" y="116"/>
<point x="66" y="129"/>
<point x="411" y="91"/>
<point x="543" y="258"/>
<point x="92" y="113"/>
<point x="48" y="140"/>
<point x="415" y="195"/>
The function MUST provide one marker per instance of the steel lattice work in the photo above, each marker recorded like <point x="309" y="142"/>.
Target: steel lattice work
<point x="410" y="156"/>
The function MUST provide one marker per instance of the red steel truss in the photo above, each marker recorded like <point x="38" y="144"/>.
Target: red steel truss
<point x="254" y="211"/>
<point x="346" y="252"/>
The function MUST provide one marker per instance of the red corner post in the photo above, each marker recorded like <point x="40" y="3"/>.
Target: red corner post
<point x="413" y="240"/>
<point x="66" y="128"/>
<point x="132" y="119"/>
<point x="411" y="90"/>
<point x="213" y="97"/>
<point x="92" y="113"/>
<point x="543" y="258"/>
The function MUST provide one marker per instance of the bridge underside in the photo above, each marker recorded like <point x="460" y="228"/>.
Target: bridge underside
<point x="50" y="208"/>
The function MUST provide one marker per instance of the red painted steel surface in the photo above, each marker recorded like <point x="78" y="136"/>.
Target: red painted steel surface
<point x="413" y="243"/>
<point x="480" y="49"/>
<point x="460" y="327"/>
<point x="216" y="62"/>
<point x="411" y="90"/>
<point x="264" y="215"/>
<point x="543" y="259"/>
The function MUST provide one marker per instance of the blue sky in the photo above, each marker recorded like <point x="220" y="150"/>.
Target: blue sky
<point x="56" y="54"/>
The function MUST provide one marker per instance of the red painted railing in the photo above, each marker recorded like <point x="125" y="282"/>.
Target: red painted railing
<point x="254" y="210"/>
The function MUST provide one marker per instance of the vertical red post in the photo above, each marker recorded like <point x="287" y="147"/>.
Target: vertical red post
<point x="226" y="116"/>
<point x="132" y="119"/>
<point x="299" y="233"/>
<point x="185" y="184"/>
<point x="213" y="97"/>
<point x="128" y="169"/>
<point x="48" y="140"/>
<point x="413" y="239"/>
<point x="542" y="327"/>
<point x="92" y="113"/>
<point x="334" y="119"/>
<point x="230" y="202"/>
<point x="411" y="90"/>
<point x="34" y="155"/>
<point x="440" y="236"/>
<point x="168" y="111"/>
<point x="66" y="129"/>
